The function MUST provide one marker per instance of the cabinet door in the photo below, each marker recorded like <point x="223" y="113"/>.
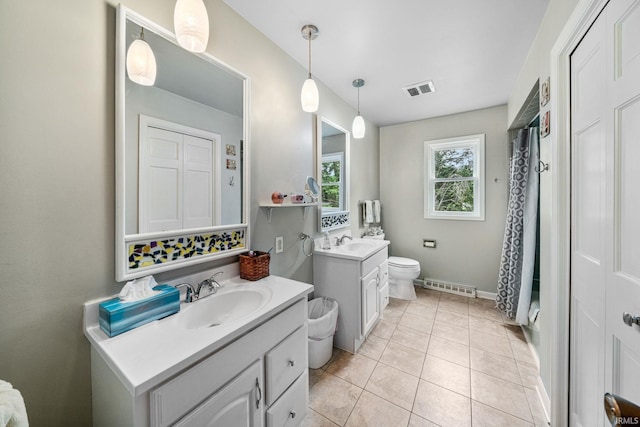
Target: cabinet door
<point x="240" y="403"/>
<point x="370" y="297"/>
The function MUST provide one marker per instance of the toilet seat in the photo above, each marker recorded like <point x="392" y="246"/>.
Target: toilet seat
<point x="401" y="262"/>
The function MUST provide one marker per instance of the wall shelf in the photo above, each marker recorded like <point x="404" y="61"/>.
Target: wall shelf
<point x="270" y="206"/>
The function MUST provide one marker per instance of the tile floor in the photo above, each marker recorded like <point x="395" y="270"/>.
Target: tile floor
<point x="440" y="360"/>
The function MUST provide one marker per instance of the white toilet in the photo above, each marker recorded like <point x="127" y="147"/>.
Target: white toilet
<point x="402" y="271"/>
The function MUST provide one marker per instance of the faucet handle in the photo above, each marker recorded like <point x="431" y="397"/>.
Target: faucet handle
<point x="190" y="292"/>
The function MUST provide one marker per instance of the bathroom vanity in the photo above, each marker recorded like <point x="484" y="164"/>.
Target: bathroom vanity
<point x="356" y="275"/>
<point x="247" y="367"/>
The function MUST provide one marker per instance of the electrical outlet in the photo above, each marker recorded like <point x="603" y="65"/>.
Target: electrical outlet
<point x="279" y="244"/>
<point x="428" y="243"/>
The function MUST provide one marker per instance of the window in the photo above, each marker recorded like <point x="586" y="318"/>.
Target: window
<point x="332" y="182"/>
<point x="454" y="178"/>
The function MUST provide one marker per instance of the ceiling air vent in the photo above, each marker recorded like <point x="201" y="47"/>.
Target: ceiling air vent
<point x="419" y="88"/>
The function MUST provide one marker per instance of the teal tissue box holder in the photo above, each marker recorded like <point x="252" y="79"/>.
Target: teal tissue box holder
<point x="116" y="317"/>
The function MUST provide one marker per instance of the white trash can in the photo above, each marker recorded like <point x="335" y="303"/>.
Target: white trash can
<point x="323" y="318"/>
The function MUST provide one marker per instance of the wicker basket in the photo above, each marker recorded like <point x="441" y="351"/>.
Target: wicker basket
<point x="254" y="267"/>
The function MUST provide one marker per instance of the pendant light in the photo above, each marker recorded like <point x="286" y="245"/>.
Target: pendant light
<point x="191" y="24"/>
<point x="357" y="128"/>
<point x="309" y="97"/>
<point x="141" y="62"/>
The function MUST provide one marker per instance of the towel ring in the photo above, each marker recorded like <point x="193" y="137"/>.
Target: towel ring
<point x="542" y="166"/>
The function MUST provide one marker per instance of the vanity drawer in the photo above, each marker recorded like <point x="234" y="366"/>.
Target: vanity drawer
<point x="373" y="261"/>
<point x="291" y="408"/>
<point x="285" y="362"/>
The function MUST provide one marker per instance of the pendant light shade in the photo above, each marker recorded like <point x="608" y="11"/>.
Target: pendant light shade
<point x="358" y="128"/>
<point x="309" y="97"/>
<point x="191" y="24"/>
<point x="141" y="62"/>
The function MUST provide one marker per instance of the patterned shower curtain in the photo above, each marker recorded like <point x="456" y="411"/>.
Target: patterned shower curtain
<point x="515" y="279"/>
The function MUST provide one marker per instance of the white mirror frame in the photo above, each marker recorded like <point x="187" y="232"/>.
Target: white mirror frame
<point x="329" y="221"/>
<point x="239" y="234"/>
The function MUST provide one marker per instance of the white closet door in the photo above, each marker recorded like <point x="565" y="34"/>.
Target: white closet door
<point x="160" y="191"/>
<point x="198" y="182"/>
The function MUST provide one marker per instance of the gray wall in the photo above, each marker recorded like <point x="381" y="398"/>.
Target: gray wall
<point x="467" y="252"/>
<point x="537" y="66"/>
<point x="57" y="169"/>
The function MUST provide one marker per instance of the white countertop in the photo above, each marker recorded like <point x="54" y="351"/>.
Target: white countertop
<point x="148" y="355"/>
<point x="356" y="249"/>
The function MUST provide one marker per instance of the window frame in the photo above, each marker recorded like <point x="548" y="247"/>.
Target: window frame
<point x="333" y="157"/>
<point x="477" y="144"/>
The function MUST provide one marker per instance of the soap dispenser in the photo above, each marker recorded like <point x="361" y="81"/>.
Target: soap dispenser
<point x="326" y="244"/>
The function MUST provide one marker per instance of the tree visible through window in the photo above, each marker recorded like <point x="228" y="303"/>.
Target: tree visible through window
<point x="454" y="187"/>
<point x="332" y="181"/>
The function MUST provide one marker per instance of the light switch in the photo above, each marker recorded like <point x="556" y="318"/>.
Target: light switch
<point x="428" y="243"/>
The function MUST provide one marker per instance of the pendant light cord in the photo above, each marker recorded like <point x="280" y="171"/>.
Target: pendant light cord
<point x="358" y="100"/>
<point x="309" y="52"/>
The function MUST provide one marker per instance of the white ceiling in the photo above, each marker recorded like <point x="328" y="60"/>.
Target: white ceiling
<point x="473" y="50"/>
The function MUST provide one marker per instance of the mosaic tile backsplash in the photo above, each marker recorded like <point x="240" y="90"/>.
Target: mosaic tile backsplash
<point x="334" y="220"/>
<point x="153" y="252"/>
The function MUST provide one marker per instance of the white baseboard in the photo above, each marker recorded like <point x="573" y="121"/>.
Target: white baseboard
<point x="543" y="396"/>
<point x="486" y="295"/>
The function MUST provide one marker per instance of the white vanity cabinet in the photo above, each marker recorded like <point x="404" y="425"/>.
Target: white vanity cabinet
<point x="357" y="285"/>
<point x="256" y="376"/>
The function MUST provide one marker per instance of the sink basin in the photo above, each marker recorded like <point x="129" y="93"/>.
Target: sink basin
<point x="356" y="247"/>
<point x="225" y="306"/>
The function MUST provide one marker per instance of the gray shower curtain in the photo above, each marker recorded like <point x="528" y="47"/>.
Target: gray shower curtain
<point x="515" y="279"/>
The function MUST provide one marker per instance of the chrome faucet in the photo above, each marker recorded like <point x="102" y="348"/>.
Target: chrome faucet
<point x="340" y="240"/>
<point x="211" y="284"/>
<point x="190" y="292"/>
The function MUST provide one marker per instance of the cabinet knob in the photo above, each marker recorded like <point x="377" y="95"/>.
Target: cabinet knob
<point x="292" y="414"/>
<point x="292" y="362"/>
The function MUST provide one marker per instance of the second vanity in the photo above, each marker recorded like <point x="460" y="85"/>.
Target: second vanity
<point x="188" y="370"/>
<point x="356" y="275"/>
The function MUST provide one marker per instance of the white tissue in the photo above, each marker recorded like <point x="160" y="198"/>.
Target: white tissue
<point x="138" y="289"/>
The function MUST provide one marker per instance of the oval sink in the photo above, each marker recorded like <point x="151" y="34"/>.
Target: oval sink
<point x="356" y="247"/>
<point x="225" y="306"/>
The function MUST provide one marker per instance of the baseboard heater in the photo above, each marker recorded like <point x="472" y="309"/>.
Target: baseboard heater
<point x="452" y="288"/>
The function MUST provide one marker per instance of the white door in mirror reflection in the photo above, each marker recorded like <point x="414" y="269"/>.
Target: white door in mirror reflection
<point x="178" y="177"/>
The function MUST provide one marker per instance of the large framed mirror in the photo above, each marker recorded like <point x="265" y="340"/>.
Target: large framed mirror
<point x="181" y="156"/>
<point x="332" y="144"/>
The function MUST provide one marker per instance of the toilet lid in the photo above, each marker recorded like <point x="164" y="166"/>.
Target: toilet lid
<point x="401" y="262"/>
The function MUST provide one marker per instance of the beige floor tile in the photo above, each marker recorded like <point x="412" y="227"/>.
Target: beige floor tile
<point x="372" y="411"/>
<point x="421" y="310"/>
<point x="411" y="338"/>
<point x="418" y="323"/>
<point x="404" y="358"/>
<point x="314" y="376"/>
<point x="373" y="347"/>
<point x="447" y="374"/>
<point x="392" y="315"/>
<point x="496" y="365"/>
<point x="515" y="333"/>
<point x="528" y="374"/>
<point x="383" y="329"/>
<point x="454" y="297"/>
<point x="449" y="350"/>
<point x="485" y="312"/>
<point x="427" y="297"/>
<point x="500" y="394"/>
<point x="486" y="416"/>
<point x="522" y="352"/>
<point x="416" y="421"/>
<point x="442" y="406"/>
<point x="398" y="303"/>
<point x="333" y="398"/>
<point x="454" y="319"/>
<point x="455" y="306"/>
<point x="490" y="343"/>
<point x="353" y="368"/>
<point x="314" y="419"/>
<point x="487" y="326"/>
<point x="483" y="302"/>
<point x="393" y="385"/>
<point x="452" y="333"/>
<point x="537" y="411"/>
